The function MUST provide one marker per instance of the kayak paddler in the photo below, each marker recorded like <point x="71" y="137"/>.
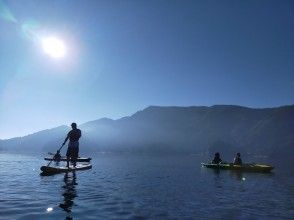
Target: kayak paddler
<point x="216" y="159"/>
<point x="73" y="145"/>
<point x="237" y="159"/>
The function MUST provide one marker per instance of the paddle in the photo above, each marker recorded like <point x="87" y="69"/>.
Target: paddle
<point x="54" y="155"/>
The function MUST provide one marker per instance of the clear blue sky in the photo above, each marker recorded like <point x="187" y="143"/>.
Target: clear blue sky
<point x="123" y="56"/>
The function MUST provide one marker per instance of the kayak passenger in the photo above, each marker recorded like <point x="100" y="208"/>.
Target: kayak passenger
<point x="216" y="159"/>
<point x="237" y="159"/>
<point x="73" y="145"/>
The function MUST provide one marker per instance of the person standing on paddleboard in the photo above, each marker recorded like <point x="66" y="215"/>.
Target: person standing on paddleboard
<point x="73" y="145"/>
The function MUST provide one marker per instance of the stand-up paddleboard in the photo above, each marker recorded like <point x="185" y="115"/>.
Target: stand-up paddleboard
<point x="46" y="170"/>
<point x="243" y="167"/>
<point x="80" y="159"/>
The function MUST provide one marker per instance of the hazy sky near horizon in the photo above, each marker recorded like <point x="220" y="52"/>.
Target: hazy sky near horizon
<point x="122" y="56"/>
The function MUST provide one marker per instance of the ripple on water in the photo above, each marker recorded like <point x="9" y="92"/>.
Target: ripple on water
<point x="135" y="187"/>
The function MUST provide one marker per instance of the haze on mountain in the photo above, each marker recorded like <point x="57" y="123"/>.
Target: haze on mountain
<point x="266" y="132"/>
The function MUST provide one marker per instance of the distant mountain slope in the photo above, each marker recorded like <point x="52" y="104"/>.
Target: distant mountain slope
<point x="155" y="129"/>
<point x="39" y="141"/>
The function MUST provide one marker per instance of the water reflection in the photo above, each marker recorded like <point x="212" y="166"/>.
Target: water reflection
<point x="216" y="172"/>
<point x="237" y="175"/>
<point x="218" y="180"/>
<point x="69" y="193"/>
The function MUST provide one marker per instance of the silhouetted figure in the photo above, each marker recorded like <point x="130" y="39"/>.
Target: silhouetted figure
<point x="216" y="159"/>
<point x="237" y="159"/>
<point x="73" y="145"/>
<point x="57" y="156"/>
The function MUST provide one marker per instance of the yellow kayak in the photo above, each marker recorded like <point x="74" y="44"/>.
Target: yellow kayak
<point x="250" y="167"/>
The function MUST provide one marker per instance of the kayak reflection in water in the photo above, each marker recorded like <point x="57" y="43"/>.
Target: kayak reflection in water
<point x="216" y="159"/>
<point x="237" y="159"/>
<point x="69" y="193"/>
<point x="73" y="145"/>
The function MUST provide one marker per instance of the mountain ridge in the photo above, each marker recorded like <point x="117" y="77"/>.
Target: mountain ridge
<point x="177" y="129"/>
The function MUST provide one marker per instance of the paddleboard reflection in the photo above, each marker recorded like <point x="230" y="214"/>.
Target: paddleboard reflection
<point x="69" y="193"/>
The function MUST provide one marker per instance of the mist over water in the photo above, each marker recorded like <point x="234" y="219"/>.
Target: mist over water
<point x="129" y="186"/>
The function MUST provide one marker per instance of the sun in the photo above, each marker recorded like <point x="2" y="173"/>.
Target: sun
<point x="53" y="47"/>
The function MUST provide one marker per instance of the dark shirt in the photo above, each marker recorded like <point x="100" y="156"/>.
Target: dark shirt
<point x="74" y="135"/>
<point x="238" y="161"/>
<point x="216" y="160"/>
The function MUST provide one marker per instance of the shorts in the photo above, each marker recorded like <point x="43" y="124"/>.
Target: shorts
<point x="73" y="149"/>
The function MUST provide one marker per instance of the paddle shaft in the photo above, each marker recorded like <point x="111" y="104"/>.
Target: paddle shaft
<point x="55" y="154"/>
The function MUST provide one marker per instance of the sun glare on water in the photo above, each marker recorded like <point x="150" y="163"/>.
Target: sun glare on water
<point x="54" y="47"/>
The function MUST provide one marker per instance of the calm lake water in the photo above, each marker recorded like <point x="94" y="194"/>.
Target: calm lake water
<point x="125" y="186"/>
